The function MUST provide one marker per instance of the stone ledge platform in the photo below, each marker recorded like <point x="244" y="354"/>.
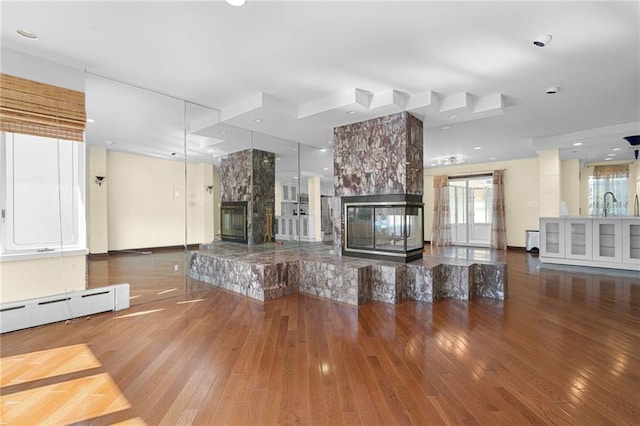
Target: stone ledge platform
<point x="269" y="271"/>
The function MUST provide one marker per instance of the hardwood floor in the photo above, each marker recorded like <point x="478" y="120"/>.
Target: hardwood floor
<point x="152" y="274"/>
<point x="564" y="348"/>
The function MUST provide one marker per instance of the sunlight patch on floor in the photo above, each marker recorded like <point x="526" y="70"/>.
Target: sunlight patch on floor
<point x="65" y="402"/>
<point x="48" y="363"/>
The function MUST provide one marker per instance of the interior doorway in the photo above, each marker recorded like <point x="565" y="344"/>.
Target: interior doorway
<point x="470" y="205"/>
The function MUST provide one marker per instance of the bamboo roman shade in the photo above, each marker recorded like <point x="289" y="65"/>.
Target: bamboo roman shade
<point x="41" y="109"/>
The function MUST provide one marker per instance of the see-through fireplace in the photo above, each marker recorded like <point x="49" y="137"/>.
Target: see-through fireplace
<point x="388" y="227"/>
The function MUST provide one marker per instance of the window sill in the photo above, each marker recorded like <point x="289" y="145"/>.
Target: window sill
<point x="34" y="255"/>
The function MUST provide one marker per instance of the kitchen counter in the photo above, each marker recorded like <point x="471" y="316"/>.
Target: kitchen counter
<point x="596" y="241"/>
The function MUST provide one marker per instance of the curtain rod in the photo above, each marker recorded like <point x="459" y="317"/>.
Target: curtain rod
<point x="474" y="173"/>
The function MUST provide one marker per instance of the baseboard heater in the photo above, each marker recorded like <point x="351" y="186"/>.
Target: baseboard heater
<point x="60" y="307"/>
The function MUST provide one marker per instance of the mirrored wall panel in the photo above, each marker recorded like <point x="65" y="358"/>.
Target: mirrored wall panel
<point x="138" y="197"/>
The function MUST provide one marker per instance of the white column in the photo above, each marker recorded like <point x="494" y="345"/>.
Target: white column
<point x="570" y="185"/>
<point x="278" y="196"/>
<point x="549" y="162"/>
<point x="315" y="205"/>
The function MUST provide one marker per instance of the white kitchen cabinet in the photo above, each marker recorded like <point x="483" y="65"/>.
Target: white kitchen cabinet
<point x="552" y="237"/>
<point x="631" y="241"/>
<point x="296" y="227"/>
<point x="579" y="239"/>
<point x="290" y="193"/>
<point x="607" y="240"/>
<point x="611" y="242"/>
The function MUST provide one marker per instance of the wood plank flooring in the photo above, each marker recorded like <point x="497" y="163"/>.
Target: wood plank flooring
<point x="564" y="348"/>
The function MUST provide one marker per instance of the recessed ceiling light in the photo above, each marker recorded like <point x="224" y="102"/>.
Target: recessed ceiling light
<point x="608" y="158"/>
<point x="351" y="112"/>
<point x="453" y="117"/>
<point x="542" y="40"/>
<point x="551" y="90"/>
<point x="445" y="127"/>
<point x="295" y="177"/>
<point x="611" y="155"/>
<point x="257" y="120"/>
<point x="236" y="2"/>
<point x="108" y="142"/>
<point x="492" y="158"/>
<point x="323" y="150"/>
<point x="330" y="142"/>
<point x="277" y="158"/>
<point x="222" y="132"/>
<point x="90" y="120"/>
<point x="326" y="168"/>
<point x="477" y="147"/>
<point x="577" y="144"/>
<point x="615" y="149"/>
<point x="28" y="34"/>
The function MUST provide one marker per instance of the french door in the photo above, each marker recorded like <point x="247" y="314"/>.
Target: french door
<point x="470" y="201"/>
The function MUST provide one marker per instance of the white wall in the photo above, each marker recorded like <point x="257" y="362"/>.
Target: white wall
<point x="27" y="279"/>
<point x="522" y="189"/>
<point x="38" y="69"/>
<point x="148" y="202"/>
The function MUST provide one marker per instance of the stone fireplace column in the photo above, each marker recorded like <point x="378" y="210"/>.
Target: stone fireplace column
<point x="250" y="176"/>
<point x="381" y="156"/>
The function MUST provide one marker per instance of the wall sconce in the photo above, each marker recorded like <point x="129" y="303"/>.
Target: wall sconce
<point x="210" y="189"/>
<point x="99" y="180"/>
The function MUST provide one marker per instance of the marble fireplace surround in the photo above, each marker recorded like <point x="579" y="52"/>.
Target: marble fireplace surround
<point x="268" y="272"/>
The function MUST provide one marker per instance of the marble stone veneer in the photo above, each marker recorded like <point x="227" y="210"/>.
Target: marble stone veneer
<point x="269" y="272"/>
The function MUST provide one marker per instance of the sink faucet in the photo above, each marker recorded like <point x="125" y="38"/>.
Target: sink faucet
<point x="604" y="201"/>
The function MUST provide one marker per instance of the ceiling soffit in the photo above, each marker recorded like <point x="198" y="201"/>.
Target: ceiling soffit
<point x="313" y="122"/>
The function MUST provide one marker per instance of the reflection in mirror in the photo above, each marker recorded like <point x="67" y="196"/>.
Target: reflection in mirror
<point x="164" y="162"/>
<point x="284" y="220"/>
<point x="202" y="182"/>
<point x="135" y="141"/>
<point x="316" y="183"/>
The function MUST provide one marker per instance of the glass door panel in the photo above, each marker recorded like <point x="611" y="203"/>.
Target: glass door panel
<point x="470" y="206"/>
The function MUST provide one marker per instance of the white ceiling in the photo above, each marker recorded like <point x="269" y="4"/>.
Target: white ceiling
<point x="301" y="65"/>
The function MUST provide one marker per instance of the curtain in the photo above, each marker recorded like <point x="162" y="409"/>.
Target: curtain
<point x="614" y="179"/>
<point x="498" y="223"/>
<point x="441" y="231"/>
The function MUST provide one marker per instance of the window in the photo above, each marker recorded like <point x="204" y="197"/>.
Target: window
<point x="42" y="188"/>
<point x="613" y="179"/>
